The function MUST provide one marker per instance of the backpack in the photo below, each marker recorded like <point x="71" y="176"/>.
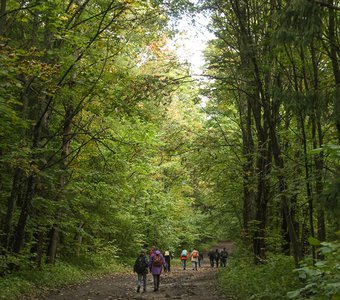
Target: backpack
<point x="184" y="253"/>
<point x="194" y="254"/>
<point x="224" y="254"/>
<point x="141" y="265"/>
<point x="157" y="260"/>
<point x="166" y="253"/>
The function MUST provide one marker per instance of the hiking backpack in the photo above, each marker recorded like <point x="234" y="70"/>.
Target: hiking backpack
<point x="224" y="254"/>
<point x="157" y="260"/>
<point x="194" y="254"/>
<point x="141" y="264"/>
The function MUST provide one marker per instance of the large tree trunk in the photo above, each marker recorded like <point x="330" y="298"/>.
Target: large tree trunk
<point x="282" y="189"/>
<point x="259" y="109"/>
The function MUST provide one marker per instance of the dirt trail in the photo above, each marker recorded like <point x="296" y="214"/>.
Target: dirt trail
<point x="178" y="284"/>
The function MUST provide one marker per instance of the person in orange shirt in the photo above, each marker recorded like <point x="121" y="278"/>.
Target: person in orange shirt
<point x="194" y="259"/>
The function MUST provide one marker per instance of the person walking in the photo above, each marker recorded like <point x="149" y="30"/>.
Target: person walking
<point x="152" y="251"/>
<point x="211" y="255"/>
<point x="217" y="257"/>
<point x="194" y="259"/>
<point x="200" y="258"/>
<point x="184" y="258"/>
<point x="156" y="264"/>
<point x="224" y="255"/>
<point x="168" y="257"/>
<point x="141" y="268"/>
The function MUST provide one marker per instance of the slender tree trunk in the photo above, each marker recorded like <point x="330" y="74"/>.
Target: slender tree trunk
<point x="66" y="142"/>
<point x="308" y="187"/>
<point x="305" y="152"/>
<point x="248" y="165"/>
<point x="25" y="211"/>
<point x="334" y="56"/>
<point x="317" y="138"/>
<point x="12" y="200"/>
<point x="3" y="18"/>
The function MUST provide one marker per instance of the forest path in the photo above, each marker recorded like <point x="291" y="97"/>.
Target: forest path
<point x="177" y="284"/>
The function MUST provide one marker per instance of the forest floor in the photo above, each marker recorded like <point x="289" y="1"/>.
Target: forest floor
<point x="177" y="284"/>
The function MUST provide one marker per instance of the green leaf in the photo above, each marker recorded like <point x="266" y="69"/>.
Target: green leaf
<point x="293" y="294"/>
<point x="313" y="241"/>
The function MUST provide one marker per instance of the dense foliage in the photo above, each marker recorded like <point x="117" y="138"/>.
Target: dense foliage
<point x="108" y="144"/>
<point x="95" y="110"/>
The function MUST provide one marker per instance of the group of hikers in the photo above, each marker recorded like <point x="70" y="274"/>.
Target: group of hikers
<point x="195" y="258"/>
<point x="157" y="261"/>
<point x="217" y="257"/>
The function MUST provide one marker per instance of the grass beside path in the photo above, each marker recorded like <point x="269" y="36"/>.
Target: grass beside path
<point x="242" y="279"/>
<point x="27" y="282"/>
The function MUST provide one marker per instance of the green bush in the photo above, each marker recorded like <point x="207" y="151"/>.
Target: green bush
<point x="320" y="280"/>
<point x="244" y="280"/>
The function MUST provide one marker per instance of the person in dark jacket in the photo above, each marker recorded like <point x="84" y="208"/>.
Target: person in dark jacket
<point x="200" y="258"/>
<point x="224" y="256"/>
<point x="141" y="268"/>
<point x="168" y="257"/>
<point x="211" y="255"/>
<point x="217" y="257"/>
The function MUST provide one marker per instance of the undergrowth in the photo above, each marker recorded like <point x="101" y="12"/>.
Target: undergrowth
<point x="26" y="282"/>
<point x="242" y="279"/>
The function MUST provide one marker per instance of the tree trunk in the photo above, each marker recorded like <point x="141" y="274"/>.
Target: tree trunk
<point x="3" y="18"/>
<point x="317" y="138"/>
<point x="52" y="247"/>
<point x="25" y="210"/>
<point x="308" y="188"/>
<point x="282" y="189"/>
<point x="12" y="200"/>
<point x="248" y="165"/>
<point x="66" y="142"/>
<point x="334" y="56"/>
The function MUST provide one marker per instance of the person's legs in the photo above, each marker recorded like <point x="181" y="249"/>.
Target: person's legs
<point x="168" y="265"/>
<point x="184" y="264"/>
<point x="154" y="283"/>
<point x="144" y="282"/>
<point x="158" y="279"/>
<point x="139" y="281"/>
